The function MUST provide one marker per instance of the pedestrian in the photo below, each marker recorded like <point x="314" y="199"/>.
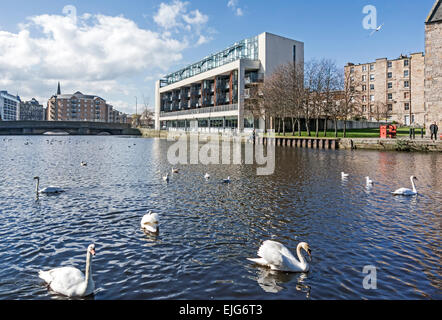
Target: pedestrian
<point x="434" y="129"/>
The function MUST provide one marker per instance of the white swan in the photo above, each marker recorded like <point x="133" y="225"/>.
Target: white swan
<point x="150" y="222"/>
<point x="226" y="180"/>
<point x="344" y="175"/>
<point x="276" y="256"/>
<point x="405" y="191"/>
<point x="175" y="170"/>
<point x="166" y="177"/>
<point x="369" y="182"/>
<point x="207" y="176"/>
<point x="48" y="190"/>
<point x="70" y="281"/>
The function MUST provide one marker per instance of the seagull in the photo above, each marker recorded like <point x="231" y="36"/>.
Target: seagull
<point x="376" y="30"/>
<point x="344" y="175"/>
<point x="207" y="176"/>
<point x="166" y="177"/>
<point x="175" y="170"/>
<point x="226" y="180"/>
<point x="83" y="164"/>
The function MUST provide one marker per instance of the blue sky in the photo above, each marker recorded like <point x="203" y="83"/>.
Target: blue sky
<point x="127" y="67"/>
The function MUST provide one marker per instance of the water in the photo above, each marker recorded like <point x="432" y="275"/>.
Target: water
<point x="208" y="229"/>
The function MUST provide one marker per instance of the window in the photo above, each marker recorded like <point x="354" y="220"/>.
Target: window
<point x="371" y="77"/>
<point x="406" y="95"/>
<point x="390" y="107"/>
<point x="407" y="106"/>
<point x="364" y="87"/>
<point x="390" y="96"/>
<point x="371" y="67"/>
<point x="406" y="73"/>
<point x="389" y="64"/>
<point x="371" y="108"/>
<point x="371" y="86"/>
<point x="390" y="75"/>
<point x="352" y="70"/>
<point x="406" y="84"/>
<point x="364" y="108"/>
<point x="372" y="98"/>
<point x="364" y="68"/>
<point x="364" y="78"/>
<point x="390" y="85"/>
<point x="406" y="62"/>
<point x="364" y="98"/>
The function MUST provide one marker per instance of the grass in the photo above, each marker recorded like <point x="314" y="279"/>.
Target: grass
<point x="354" y="133"/>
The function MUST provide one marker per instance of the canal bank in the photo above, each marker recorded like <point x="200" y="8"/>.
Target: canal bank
<point x="400" y="144"/>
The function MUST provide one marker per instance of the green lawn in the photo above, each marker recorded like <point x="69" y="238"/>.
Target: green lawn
<point x="355" y="133"/>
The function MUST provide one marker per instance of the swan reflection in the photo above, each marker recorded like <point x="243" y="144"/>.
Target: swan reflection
<point x="272" y="281"/>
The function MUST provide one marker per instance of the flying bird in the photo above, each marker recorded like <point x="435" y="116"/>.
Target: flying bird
<point x="376" y="30"/>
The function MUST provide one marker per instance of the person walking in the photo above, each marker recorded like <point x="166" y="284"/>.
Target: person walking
<point x="434" y="129"/>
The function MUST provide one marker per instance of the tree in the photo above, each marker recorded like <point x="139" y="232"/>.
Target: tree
<point x="350" y="99"/>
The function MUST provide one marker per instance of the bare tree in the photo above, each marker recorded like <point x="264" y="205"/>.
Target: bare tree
<point x="350" y="99"/>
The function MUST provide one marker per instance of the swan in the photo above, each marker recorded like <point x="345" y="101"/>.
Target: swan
<point x="405" y="191"/>
<point x="369" y="181"/>
<point x="207" y="176"/>
<point x="175" y="170"/>
<point x="226" y="180"/>
<point x="277" y="257"/>
<point x="48" y="190"/>
<point x="150" y="222"/>
<point x="344" y="175"/>
<point x="166" y="177"/>
<point x="70" y="281"/>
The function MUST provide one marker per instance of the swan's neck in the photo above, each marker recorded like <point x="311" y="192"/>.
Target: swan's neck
<point x="36" y="187"/>
<point x="301" y="256"/>
<point x="412" y="183"/>
<point x="88" y="268"/>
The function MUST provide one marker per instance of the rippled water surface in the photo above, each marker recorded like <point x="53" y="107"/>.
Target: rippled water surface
<point x="208" y="229"/>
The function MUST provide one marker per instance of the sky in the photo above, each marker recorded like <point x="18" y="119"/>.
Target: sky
<point x="117" y="49"/>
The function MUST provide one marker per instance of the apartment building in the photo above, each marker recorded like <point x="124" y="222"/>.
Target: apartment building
<point x="433" y="66"/>
<point x="397" y="85"/>
<point x="31" y="110"/>
<point x="81" y="107"/>
<point x="210" y="94"/>
<point x="9" y="105"/>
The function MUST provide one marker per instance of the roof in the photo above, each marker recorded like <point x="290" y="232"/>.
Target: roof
<point x="77" y="95"/>
<point x="435" y="13"/>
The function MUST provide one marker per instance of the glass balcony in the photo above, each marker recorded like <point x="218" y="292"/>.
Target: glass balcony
<point x="245" y="49"/>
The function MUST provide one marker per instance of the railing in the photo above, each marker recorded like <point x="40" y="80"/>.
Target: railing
<point x="224" y="108"/>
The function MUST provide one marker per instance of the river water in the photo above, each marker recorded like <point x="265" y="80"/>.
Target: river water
<point x="209" y="229"/>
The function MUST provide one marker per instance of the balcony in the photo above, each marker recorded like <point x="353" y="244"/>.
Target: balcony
<point x="224" y="108"/>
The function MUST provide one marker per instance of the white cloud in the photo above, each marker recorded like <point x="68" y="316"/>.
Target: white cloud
<point x="168" y="15"/>
<point x="234" y="5"/>
<point x="94" y="53"/>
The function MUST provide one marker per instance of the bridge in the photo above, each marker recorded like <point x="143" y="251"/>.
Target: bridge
<point x="69" y="127"/>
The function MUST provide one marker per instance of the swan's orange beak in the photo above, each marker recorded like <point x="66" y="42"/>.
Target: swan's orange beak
<point x="92" y="251"/>
<point x="309" y="254"/>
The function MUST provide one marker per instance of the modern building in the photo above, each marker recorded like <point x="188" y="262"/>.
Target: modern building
<point x="210" y="94"/>
<point x="81" y="107"/>
<point x="9" y="105"/>
<point x="31" y="110"/>
<point x="397" y="85"/>
<point x="433" y="66"/>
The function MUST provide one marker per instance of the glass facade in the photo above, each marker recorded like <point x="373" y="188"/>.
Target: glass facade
<point x="245" y="49"/>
